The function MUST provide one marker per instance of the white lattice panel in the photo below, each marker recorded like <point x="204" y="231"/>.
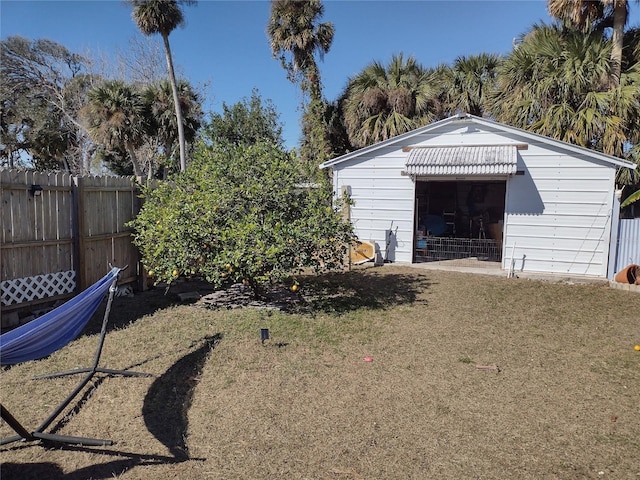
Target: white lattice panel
<point x="25" y="289"/>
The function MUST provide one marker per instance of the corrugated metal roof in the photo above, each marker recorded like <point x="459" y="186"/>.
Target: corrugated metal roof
<point x="463" y="160"/>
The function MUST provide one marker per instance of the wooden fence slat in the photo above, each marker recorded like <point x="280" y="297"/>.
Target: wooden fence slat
<point x="74" y="224"/>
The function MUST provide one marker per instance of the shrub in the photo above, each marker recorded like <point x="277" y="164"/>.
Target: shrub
<point x="240" y="213"/>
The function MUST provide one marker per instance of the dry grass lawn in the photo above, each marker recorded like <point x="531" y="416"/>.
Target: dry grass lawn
<point x="564" y="404"/>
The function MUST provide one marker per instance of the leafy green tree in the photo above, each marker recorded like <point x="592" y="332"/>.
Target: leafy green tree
<point x="314" y="145"/>
<point x="296" y="37"/>
<point x="337" y="135"/>
<point x="115" y="118"/>
<point x="115" y="159"/>
<point x="163" y="17"/>
<point x="590" y="15"/>
<point x="42" y="87"/>
<point x="160" y="110"/>
<point x="634" y="197"/>
<point x="468" y="83"/>
<point x="128" y="123"/>
<point x="239" y="213"/>
<point x="384" y="101"/>
<point x="555" y="83"/>
<point x="249" y="121"/>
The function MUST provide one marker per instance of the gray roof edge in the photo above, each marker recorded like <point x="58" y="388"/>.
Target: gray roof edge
<point x="464" y="118"/>
<point x="561" y="144"/>
<point x="386" y="143"/>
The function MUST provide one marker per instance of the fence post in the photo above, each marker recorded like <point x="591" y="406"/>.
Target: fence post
<point x="346" y="215"/>
<point x="614" y="236"/>
<point x="77" y="229"/>
<point x="138" y="202"/>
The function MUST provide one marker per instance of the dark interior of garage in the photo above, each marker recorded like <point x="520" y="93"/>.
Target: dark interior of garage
<point x="455" y="219"/>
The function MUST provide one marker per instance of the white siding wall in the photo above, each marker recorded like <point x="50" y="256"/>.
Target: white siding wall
<point x="381" y="195"/>
<point x="557" y="215"/>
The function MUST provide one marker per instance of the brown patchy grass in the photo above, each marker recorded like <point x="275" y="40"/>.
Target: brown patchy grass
<point x="220" y="405"/>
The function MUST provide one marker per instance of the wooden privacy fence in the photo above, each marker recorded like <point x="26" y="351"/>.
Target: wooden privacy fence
<point x="60" y="233"/>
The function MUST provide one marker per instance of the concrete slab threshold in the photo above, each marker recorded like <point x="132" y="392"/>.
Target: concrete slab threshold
<point x="479" y="267"/>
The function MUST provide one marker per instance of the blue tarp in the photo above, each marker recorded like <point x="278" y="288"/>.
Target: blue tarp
<point x="53" y="330"/>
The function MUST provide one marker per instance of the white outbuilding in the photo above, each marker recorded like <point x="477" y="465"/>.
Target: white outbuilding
<point x="470" y="188"/>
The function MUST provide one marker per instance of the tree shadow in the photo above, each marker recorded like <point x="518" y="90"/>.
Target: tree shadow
<point x="113" y="469"/>
<point x="52" y="471"/>
<point x="166" y="405"/>
<point x="340" y="293"/>
<point x="126" y="310"/>
<point x="22" y="471"/>
<point x="165" y="412"/>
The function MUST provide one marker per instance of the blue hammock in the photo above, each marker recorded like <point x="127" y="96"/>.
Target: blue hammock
<point x="53" y="330"/>
<point x="49" y="333"/>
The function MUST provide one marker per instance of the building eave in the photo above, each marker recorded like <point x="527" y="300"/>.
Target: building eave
<point x="465" y="119"/>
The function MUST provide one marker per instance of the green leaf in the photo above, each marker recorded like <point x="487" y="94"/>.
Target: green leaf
<point x="634" y="197"/>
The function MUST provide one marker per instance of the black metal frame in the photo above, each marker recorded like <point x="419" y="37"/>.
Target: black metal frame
<point x="38" y="433"/>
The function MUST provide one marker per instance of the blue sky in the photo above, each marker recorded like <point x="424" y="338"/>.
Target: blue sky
<point x="224" y="48"/>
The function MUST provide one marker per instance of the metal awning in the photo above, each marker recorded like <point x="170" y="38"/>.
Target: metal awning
<point x="463" y="160"/>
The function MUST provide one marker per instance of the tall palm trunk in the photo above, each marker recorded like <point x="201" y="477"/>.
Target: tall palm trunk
<point x="176" y="101"/>
<point x="582" y="13"/>
<point x="137" y="171"/>
<point x="619" y="21"/>
<point x="313" y="79"/>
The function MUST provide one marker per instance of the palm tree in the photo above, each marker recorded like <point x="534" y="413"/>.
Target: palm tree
<point x="384" y="101"/>
<point x="163" y="17"/>
<point x="556" y="83"/>
<point x="161" y="114"/>
<point x="296" y="36"/>
<point x="468" y="82"/>
<point x="114" y="118"/>
<point x="586" y="14"/>
<point x="634" y="197"/>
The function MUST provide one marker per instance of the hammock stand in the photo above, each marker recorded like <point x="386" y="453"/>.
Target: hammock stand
<point x="91" y="298"/>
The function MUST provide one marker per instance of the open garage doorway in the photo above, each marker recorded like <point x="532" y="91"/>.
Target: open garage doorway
<point x="458" y="220"/>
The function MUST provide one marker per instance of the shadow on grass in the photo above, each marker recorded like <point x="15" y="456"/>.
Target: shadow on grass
<point x="165" y="413"/>
<point x="339" y="293"/>
<point x="335" y="293"/>
<point x="113" y="469"/>
<point x="166" y="405"/>
<point x="126" y="310"/>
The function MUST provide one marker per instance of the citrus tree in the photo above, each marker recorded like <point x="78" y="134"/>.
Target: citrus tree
<point x="240" y="213"/>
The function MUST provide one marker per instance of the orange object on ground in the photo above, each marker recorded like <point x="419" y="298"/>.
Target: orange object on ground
<point x="629" y="274"/>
